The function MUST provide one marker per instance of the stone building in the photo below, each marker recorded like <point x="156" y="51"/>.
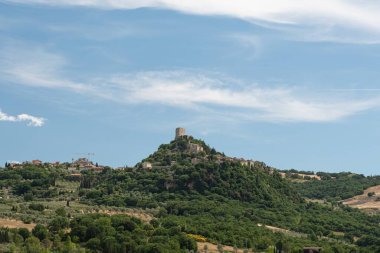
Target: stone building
<point x="147" y="165"/>
<point x="83" y="163"/>
<point x="179" y="132"/>
<point x="36" y="162"/>
<point x="195" y="148"/>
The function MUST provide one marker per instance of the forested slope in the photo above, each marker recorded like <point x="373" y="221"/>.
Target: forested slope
<point x="188" y="190"/>
<point x="336" y="186"/>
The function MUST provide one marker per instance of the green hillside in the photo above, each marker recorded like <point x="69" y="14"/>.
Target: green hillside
<point x="185" y="187"/>
<point x="336" y="186"/>
<point x="224" y="200"/>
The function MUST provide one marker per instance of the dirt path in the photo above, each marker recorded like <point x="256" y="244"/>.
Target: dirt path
<point x="285" y="231"/>
<point x="16" y="224"/>
<point x="365" y="202"/>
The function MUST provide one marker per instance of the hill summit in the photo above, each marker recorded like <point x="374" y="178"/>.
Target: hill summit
<point x="190" y="165"/>
<point x="185" y="149"/>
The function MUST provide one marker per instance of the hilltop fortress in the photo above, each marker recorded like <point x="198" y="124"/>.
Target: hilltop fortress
<point x="179" y="132"/>
<point x="196" y="151"/>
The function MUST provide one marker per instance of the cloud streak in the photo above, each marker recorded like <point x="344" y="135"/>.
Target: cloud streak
<point x="251" y="102"/>
<point x="325" y="20"/>
<point x="207" y="94"/>
<point x="29" y="119"/>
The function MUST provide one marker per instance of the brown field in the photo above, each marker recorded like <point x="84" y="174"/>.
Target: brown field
<point x="213" y="248"/>
<point x="365" y="202"/>
<point x="16" y="224"/>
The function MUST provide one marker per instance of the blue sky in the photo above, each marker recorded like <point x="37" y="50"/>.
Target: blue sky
<point x="290" y="83"/>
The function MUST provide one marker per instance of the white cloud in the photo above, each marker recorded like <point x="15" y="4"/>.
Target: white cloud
<point x="29" y="119"/>
<point x="331" y="20"/>
<point x="206" y="94"/>
<point x="251" y="102"/>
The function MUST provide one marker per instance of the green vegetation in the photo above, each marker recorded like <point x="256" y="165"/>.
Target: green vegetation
<point x="336" y="186"/>
<point x="98" y="233"/>
<point x="202" y="193"/>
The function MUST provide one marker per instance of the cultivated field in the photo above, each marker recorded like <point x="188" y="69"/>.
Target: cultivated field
<point x="16" y="224"/>
<point x="364" y="201"/>
<point x="213" y="248"/>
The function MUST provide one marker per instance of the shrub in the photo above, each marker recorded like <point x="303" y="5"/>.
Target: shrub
<point x="370" y="194"/>
<point x="36" y="207"/>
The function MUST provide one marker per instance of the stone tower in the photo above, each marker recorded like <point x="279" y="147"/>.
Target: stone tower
<point x="179" y="131"/>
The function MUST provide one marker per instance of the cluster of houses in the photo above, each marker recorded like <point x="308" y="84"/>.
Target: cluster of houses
<point x="32" y="162"/>
<point x="75" y="167"/>
<point x="84" y="164"/>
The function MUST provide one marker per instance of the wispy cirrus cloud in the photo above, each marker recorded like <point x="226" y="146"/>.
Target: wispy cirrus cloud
<point x="207" y="94"/>
<point x="346" y="21"/>
<point x="29" y="119"/>
<point x="250" y="102"/>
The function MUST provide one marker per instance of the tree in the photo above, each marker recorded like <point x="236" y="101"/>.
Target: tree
<point x="68" y="246"/>
<point x="58" y="223"/>
<point x="61" y="212"/>
<point x="93" y="244"/>
<point x="370" y="194"/>
<point x="279" y="246"/>
<point x="54" y="177"/>
<point x="40" y="232"/>
<point x="24" y="233"/>
<point x="33" y="245"/>
<point x="110" y="245"/>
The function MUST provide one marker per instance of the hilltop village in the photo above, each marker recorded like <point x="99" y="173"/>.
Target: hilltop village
<point x="75" y="167"/>
<point x="197" y="152"/>
<point x="195" y="148"/>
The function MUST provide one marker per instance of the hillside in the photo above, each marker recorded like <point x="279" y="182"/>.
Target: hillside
<point x="190" y="192"/>
<point x="369" y="200"/>
<point x="206" y="171"/>
<point x="335" y="186"/>
<point x="223" y="199"/>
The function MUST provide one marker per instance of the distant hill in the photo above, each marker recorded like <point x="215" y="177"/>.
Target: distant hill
<point x="334" y="186"/>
